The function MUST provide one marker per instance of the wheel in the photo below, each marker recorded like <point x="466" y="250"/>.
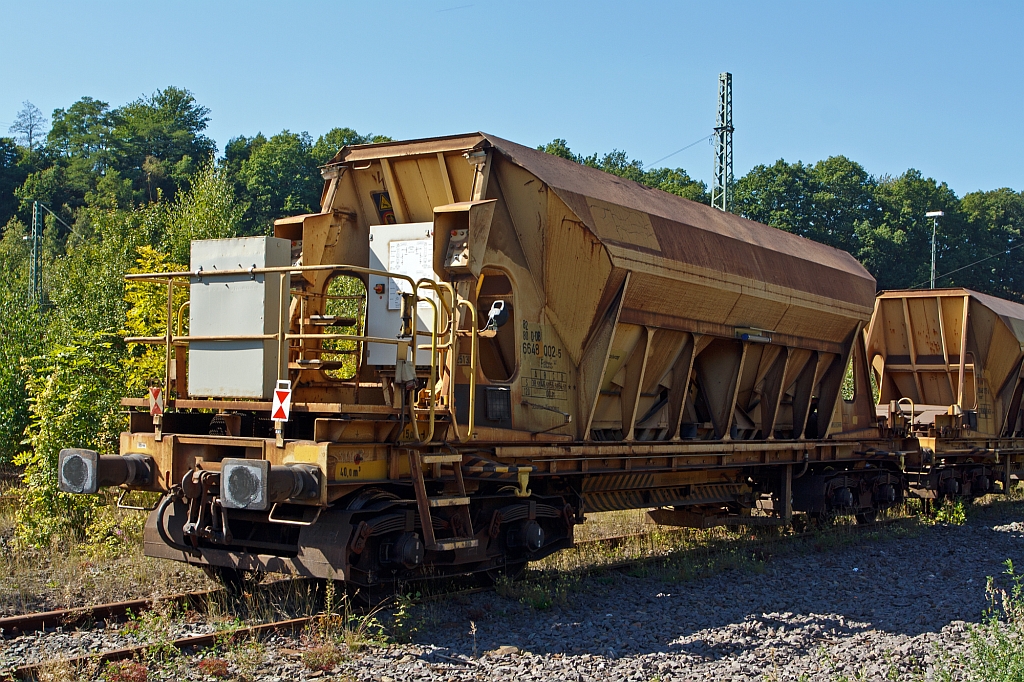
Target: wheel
<point x="867" y="517"/>
<point x="234" y="580"/>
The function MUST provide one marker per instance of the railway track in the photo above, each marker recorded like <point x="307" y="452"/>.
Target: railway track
<point x="70" y="618"/>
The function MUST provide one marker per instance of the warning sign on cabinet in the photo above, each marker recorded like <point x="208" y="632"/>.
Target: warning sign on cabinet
<point x="413" y="258"/>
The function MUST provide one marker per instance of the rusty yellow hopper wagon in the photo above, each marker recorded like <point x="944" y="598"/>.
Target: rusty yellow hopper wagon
<point x="472" y="345"/>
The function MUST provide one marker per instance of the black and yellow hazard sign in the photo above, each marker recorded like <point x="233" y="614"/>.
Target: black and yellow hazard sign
<point x="384" y="208"/>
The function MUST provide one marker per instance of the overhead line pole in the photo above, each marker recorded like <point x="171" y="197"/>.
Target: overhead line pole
<point x="35" y="275"/>
<point x="720" y="194"/>
<point x="934" y="215"/>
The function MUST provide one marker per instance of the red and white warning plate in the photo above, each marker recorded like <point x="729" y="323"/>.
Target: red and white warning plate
<point x="282" y="401"/>
<point x="156" y="400"/>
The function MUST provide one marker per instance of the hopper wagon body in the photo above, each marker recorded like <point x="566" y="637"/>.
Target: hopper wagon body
<point x="949" y="366"/>
<point x="479" y="343"/>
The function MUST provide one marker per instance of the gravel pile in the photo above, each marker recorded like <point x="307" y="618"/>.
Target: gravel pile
<point x="874" y="609"/>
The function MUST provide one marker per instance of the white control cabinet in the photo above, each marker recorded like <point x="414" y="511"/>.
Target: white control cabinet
<point x="237" y="305"/>
<point x="406" y="249"/>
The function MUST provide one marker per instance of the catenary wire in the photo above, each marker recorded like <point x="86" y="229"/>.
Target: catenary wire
<point x="969" y="265"/>
<point x="682" y="150"/>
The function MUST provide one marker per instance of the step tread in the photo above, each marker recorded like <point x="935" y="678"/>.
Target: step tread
<point x="448" y="501"/>
<point x="455" y="543"/>
<point x="441" y="459"/>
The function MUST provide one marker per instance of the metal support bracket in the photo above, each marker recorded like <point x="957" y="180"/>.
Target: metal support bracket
<point x="121" y="505"/>
<point x="293" y="522"/>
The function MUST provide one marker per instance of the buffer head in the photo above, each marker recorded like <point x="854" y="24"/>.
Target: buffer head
<point x="244" y="484"/>
<point x="78" y="471"/>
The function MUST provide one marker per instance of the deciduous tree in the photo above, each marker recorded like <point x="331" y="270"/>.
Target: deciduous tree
<point x="30" y="125"/>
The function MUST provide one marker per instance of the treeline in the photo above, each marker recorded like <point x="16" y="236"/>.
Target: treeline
<point x="880" y="220"/>
<point x="131" y="186"/>
<point x="90" y="155"/>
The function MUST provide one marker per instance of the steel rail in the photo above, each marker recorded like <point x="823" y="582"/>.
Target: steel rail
<point x="39" y="621"/>
<point x="75" y="616"/>
<point x="31" y="671"/>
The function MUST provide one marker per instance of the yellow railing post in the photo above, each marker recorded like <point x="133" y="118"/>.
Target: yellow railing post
<point x="473" y="329"/>
<point x="168" y="336"/>
<point x="282" y="349"/>
<point x="432" y="385"/>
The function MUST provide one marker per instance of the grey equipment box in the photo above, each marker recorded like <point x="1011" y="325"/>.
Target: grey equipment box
<point x="237" y="305"/>
<point x="405" y="249"/>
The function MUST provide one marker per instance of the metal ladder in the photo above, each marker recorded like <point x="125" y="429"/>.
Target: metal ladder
<point x="425" y="503"/>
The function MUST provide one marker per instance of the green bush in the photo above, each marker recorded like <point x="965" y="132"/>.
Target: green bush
<point x="994" y="651"/>
<point x="112" y="531"/>
<point x="73" y="389"/>
<point x="953" y="513"/>
<point x="21" y="336"/>
<point x="74" y="393"/>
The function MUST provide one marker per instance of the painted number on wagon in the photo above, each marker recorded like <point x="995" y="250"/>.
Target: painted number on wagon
<point x="533" y="344"/>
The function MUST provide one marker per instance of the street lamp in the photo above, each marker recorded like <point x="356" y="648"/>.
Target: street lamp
<point x="934" y="215"/>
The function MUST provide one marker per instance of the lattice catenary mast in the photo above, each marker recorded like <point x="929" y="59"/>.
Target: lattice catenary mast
<point x="720" y="191"/>
<point x="35" y="275"/>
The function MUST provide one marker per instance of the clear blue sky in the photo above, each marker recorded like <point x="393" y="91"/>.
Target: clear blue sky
<point x="931" y="85"/>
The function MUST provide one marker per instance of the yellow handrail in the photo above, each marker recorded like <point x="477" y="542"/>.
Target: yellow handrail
<point x="181" y="311"/>
<point x="433" y="371"/>
<point x="270" y="270"/>
<point x="473" y="331"/>
<point x="445" y="323"/>
<point x="912" y="412"/>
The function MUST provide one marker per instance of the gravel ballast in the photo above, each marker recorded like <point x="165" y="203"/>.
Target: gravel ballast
<point x="873" y="608"/>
